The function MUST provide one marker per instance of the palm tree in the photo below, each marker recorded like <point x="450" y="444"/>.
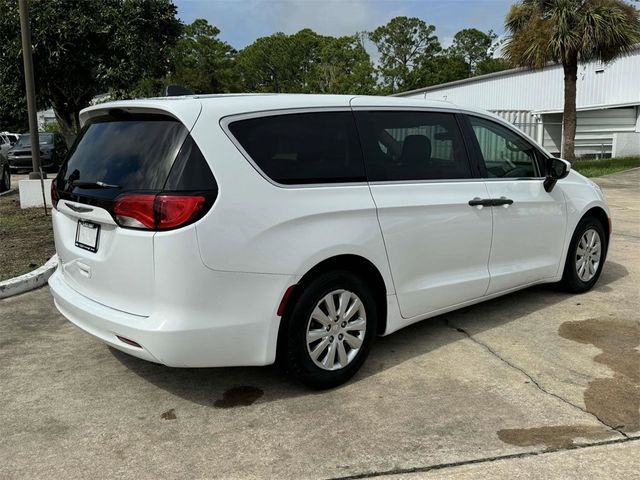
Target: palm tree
<point x="568" y="32"/>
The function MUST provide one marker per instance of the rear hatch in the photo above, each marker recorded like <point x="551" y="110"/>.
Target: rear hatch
<point x="128" y="176"/>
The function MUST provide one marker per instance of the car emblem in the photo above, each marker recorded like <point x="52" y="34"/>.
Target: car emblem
<point x="78" y="209"/>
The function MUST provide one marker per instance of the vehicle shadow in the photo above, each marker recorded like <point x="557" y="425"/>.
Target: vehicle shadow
<point x="228" y="387"/>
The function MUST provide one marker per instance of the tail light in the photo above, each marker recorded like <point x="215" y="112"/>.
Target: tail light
<point x="158" y="212"/>
<point x="54" y="194"/>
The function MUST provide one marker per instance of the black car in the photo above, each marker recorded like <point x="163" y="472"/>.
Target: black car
<point x="53" y="150"/>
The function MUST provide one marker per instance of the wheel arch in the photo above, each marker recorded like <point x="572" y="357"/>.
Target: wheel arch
<point x="600" y="214"/>
<point x="352" y="263"/>
<point x="567" y="280"/>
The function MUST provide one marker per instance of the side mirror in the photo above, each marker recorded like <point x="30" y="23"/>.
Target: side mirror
<point x="557" y="169"/>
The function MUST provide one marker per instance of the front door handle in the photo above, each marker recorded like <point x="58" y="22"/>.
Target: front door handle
<point x="497" y="202"/>
<point x="480" y="202"/>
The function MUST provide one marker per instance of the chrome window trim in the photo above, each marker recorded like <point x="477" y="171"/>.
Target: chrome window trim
<point x="452" y="109"/>
<point x="454" y="180"/>
<point x="228" y="119"/>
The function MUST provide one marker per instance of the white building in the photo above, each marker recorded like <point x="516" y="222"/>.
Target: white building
<point x="45" y="117"/>
<point x="608" y="103"/>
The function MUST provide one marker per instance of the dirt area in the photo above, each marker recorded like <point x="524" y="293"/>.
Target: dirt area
<point x="26" y="237"/>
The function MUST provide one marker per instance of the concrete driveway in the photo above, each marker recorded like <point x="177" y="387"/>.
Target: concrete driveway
<point x="536" y="384"/>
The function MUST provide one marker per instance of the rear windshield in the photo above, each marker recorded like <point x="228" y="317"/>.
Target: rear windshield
<point x="131" y="153"/>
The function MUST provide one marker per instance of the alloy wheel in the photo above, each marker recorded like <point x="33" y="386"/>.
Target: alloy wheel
<point x="336" y="329"/>
<point x="588" y="255"/>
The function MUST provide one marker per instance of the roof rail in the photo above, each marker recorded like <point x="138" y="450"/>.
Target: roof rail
<point x="177" y="91"/>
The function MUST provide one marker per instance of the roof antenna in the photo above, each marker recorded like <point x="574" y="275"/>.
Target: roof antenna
<point x="176" y="91"/>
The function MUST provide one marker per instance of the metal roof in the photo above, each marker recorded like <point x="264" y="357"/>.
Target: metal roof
<point x="598" y="85"/>
<point x="504" y="73"/>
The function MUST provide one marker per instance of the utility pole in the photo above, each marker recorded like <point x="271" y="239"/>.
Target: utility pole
<point x="27" y="59"/>
<point x="31" y="90"/>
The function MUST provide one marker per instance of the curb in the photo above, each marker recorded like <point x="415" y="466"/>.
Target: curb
<point x="29" y="281"/>
<point x="9" y="191"/>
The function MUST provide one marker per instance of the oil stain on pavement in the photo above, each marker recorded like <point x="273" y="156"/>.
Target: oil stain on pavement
<point x="613" y="400"/>
<point x="555" y="437"/>
<point x="169" y="414"/>
<point x="238" y="397"/>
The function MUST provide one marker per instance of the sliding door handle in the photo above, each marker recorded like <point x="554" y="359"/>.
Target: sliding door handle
<point x="497" y="202"/>
<point x="490" y="202"/>
<point x="481" y="202"/>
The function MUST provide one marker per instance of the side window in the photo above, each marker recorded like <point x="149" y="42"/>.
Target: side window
<point x="411" y="145"/>
<point x="505" y="154"/>
<point x="303" y="148"/>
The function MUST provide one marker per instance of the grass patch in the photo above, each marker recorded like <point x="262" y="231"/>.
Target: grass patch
<point x="597" y="168"/>
<point x="26" y="237"/>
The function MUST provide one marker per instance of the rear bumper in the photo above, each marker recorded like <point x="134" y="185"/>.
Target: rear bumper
<point x="238" y="328"/>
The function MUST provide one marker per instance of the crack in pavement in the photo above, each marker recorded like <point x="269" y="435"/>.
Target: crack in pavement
<point x="531" y="453"/>
<point x="511" y="456"/>
<point x="530" y="377"/>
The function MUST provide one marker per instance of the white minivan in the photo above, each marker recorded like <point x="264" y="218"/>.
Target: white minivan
<point x="210" y="231"/>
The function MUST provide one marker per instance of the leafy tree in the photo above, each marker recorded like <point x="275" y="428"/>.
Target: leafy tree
<point x="52" y="127"/>
<point x="305" y="52"/>
<point x="474" y="46"/>
<point x="491" y="65"/>
<point x="82" y="49"/>
<point x="568" y="32"/>
<point x="201" y="61"/>
<point x="440" y="69"/>
<point x="403" y="43"/>
<point x="343" y="66"/>
<point x="306" y="62"/>
<point x="13" y="106"/>
<point x="267" y="66"/>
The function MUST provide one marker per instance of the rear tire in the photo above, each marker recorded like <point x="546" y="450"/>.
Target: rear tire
<point x="5" y="180"/>
<point x="586" y="256"/>
<point x="327" y="345"/>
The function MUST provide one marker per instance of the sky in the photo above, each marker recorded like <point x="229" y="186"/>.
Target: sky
<point x="242" y="21"/>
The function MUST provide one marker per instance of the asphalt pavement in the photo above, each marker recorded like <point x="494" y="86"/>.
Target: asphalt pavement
<point x="536" y="384"/>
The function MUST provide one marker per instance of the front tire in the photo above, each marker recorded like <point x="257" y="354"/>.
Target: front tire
<point x="330" y="329"/>
<point x="586" y="255"/>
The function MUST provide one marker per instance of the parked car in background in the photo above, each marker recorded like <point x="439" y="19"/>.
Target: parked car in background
<point x="53" y="151"/>
<point x="11" y="137"/>
<point x="5" y="175"/>
<point x="5" y="144"/>
<point x="234" y="230"/>
<point x="5" y="171"/>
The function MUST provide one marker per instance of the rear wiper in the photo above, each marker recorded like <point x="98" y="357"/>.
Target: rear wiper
<point x="77" y="183"/>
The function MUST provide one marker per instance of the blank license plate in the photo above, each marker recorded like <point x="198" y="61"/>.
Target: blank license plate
<point x="87" y="235"/>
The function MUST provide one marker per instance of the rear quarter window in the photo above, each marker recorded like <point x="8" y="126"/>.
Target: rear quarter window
<point x="303" y="148"/>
